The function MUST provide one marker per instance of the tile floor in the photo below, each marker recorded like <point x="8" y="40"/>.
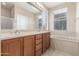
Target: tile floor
<point x="51" y="52"/>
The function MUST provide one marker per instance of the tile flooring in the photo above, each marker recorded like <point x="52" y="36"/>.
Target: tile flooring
<point x="51" y="52"/>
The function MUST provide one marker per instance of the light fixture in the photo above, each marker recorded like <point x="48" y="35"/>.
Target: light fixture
<point x="40" y="6"/>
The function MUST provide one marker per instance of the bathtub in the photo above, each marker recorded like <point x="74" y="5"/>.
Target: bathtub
<point x="66" y="43"/>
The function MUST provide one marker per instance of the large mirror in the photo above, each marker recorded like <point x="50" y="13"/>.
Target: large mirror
<point x="7" y="16"/>
<point x="21" y="16"/>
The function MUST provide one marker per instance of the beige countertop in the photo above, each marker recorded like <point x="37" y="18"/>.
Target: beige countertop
<point x="4" y="36"/>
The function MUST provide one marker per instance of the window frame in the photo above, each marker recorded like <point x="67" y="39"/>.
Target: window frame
<point x="59" y="19"/>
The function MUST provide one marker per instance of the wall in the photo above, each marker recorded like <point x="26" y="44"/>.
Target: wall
<point x="0" y="40"/>
<point x="0" y="8"/>
<point x="77" y="17"/>
<point x="0" y="47"/>
<point x="19" y="10"/>
<point x="71" y="16"/>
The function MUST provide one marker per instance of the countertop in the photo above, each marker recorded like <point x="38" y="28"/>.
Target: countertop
<point x="4" y="36"/>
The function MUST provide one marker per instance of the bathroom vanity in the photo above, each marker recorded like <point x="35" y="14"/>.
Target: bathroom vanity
<point x="27" y="44"/>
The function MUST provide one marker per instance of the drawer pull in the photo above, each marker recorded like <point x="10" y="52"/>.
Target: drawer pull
<point x="39" y="50"/>
<point x="38" y="43"/>
<point x="39" y="39"/>
<point x="39" y="46"/>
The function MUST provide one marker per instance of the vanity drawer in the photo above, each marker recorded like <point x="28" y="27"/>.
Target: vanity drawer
<point x="39" y="46"/>
<point x="38" y="41"/>
<point x="38" y="36"/>
<point x="39" y="52"/>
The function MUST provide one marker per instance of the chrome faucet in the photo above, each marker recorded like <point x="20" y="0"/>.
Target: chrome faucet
<point x="17" y="31"/>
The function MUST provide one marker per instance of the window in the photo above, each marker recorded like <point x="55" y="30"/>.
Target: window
<point x="60" y="21"/>
<point x="21" y="22"/>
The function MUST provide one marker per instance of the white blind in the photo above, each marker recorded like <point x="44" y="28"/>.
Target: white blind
<point x="21" y="22"/>
<point x="60" y="11"/>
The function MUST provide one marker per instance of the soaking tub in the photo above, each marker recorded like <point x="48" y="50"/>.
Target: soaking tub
<point x="66" y="43"/>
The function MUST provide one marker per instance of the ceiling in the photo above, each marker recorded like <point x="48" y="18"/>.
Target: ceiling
<point x="27" y="7"/>
<point x="24" y="5"/>
<point x="51" y="4"/>
<point x="30" y="7"/>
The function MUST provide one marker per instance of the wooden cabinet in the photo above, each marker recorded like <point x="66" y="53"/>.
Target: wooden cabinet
<point x="18" y="46"/>
<point x="38" y="45"/>
<point x="11" y="47"/>
<point x="46" y="41"/>
<point x="29" y="46"/>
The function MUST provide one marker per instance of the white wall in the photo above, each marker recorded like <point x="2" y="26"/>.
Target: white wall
<point x="0" y="15"/>
<point x="0" y="18"/>
<point x="77" y="17"/>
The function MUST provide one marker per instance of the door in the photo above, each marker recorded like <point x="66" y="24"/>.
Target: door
<point x="11" y="47"/>
<point x="46" y="41"/>
<point x="29" y="46"/>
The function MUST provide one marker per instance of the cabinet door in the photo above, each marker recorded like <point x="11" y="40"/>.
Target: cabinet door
<point x="29" y="46"/>
<point x="46" y="41"/>
<point x="11" y="47"/>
